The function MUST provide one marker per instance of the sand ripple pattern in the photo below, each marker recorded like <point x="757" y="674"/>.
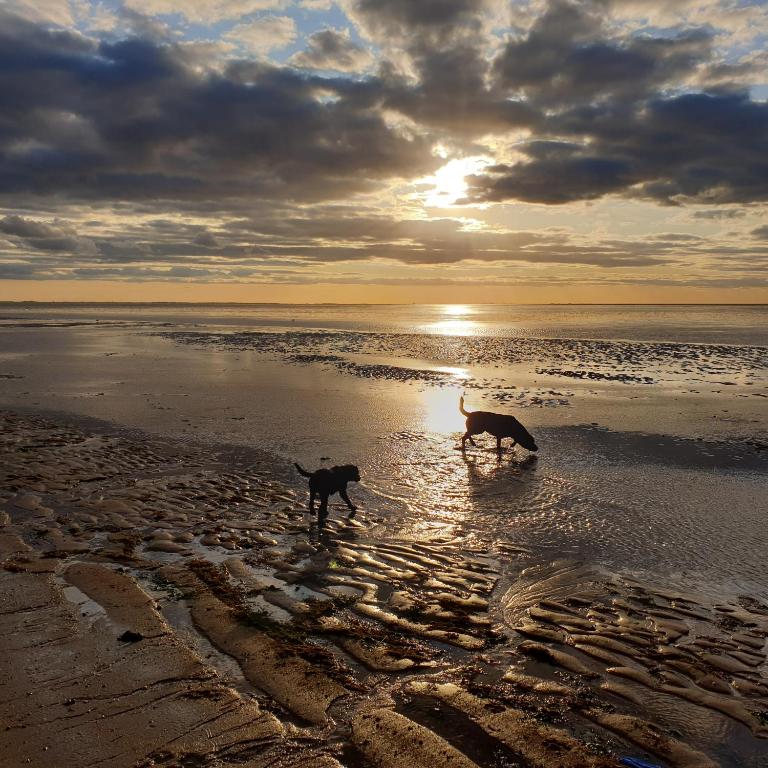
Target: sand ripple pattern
<point x="358" y="646"/>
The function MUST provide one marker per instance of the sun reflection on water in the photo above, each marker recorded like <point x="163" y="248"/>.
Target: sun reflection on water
<point x="455" y="321"/>
<point x="441" y="409"/>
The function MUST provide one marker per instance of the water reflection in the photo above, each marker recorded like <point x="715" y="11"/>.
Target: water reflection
<point x="491" y="479"/>
<point x="441" y="408"/>
<point x="455" y="322"/>
<point x="439" y="491"/>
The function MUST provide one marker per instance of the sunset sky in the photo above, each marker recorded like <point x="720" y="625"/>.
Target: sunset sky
<point x="384" y="150"/>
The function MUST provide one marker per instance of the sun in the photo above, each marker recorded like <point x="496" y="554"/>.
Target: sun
<point x="449" y="182"/>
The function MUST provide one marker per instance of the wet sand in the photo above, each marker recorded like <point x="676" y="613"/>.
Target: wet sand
<point x="631" y="476"/>
<point x="165" y="601"/>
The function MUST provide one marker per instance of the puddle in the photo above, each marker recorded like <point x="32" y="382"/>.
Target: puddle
<point x="89" y="609"/>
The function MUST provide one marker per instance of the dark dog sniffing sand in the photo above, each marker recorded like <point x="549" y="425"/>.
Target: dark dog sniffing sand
<point x="325" y="482"/>
<point x="499" y="425"/>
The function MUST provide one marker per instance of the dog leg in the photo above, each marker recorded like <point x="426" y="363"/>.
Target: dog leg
<point x="498" y="445"/>
<point x="466" y="436"/>
<point x="352" y="507"/>
<point x="322" y="512"/>
<point x="311" y="502"/>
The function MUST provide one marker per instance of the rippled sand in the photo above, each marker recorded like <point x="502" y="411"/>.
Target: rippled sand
<point x="173" y="604"/>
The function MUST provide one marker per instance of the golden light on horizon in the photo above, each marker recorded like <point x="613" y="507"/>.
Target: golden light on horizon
<point x="456" y="322"/>
<point x="458" y="310"/>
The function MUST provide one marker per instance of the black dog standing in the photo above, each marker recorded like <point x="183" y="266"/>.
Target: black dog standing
<point x="325" y="482"/>
<point x="499" y="425"/>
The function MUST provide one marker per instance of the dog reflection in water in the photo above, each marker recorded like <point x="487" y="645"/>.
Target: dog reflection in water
<point x="325" y="482"/>
<point x="499" y="425"/>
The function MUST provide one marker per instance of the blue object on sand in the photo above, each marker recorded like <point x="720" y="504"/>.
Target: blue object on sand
<point x="636" y="762"/>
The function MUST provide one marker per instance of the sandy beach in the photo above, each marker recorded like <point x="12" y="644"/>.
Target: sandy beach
<point x="167" y="601"/>
<point x="170" y="606"/>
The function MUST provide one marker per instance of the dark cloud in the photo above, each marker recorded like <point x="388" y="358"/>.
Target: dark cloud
<point x="28" y="228"/>
<point x="439" y="77"/>
<point x="206" y="239"/>
<point x="452" y="94"/>
<point x="19" y="271"/>
<point x="437" y="20"/>
<point x="333" y="49"/>
<point x="145" y="122"/>
<point x="568" y="57"/>
<point x="702" y="148"/>
<point x="41" y="236"/>
<point x="761" y="233"/>
<point x="557" y="172"/>
<point x="611" y="128"/>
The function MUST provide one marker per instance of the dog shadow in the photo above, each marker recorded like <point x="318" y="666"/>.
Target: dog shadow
<point x="329" y="533"/>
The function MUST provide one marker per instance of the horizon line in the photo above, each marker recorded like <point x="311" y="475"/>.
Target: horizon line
<point x="389" y="303"/>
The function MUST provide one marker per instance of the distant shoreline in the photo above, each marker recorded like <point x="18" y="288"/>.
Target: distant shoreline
<point x="366" y="304"/>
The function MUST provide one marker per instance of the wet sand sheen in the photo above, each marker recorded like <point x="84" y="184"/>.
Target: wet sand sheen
<point x="249" y="639"/>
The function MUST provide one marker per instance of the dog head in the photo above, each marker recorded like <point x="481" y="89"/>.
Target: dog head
<point x="527" y="441"/>
<point x="348" y="472"/>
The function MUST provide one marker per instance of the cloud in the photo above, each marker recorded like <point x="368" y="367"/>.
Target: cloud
<point x="695" y="148"/>
<point x="336" y="234"/>
<point x="439" y="20"/>
<point x="720" y="213"/>
<point x="54" y="11"/>
<point x="556" y="173"/>
<point x="569" y="56"/>
<point x="452" y="94"/>
<point x="205" y="11"/>
<point x="739" y="22"/>
<point x="28" y="228"/>
<point x="42" y="236"/>
<point x="148" y="120"/>
<point x="207" y="240"/>
<point x="761" y="233"/>
<point x="345" y="244"/>
<point x="333" y="49"/>
<point x="750" y="69"/>
<point x="264" y="34"/>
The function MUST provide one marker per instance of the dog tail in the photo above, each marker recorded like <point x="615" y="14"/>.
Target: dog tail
<point x="303" y="471"/>
<point x="461" y="406"/>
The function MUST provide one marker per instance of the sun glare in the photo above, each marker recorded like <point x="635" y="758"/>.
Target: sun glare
<point x="449" y="182"/>
<point x="457" y="310"/>
<point x="455" y="322"/>
<point x="441" y="410"/>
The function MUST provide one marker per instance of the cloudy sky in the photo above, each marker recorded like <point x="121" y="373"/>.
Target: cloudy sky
<point x="384" y="150"/>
